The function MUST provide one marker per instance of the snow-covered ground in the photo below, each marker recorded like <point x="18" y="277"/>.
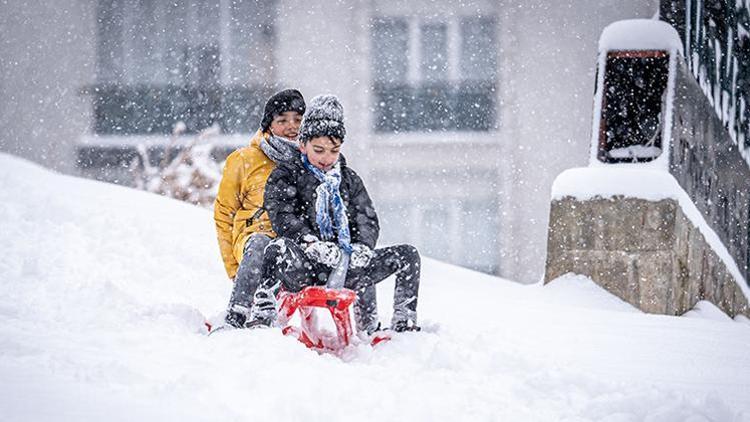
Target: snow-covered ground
<point x="103" y="291"/>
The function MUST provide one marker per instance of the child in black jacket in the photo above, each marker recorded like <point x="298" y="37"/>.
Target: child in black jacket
<point x="322" y="213"/>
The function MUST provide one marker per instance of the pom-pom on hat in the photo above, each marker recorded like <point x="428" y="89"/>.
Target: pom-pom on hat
<point x="324" y="117"/>
<point x="279" y="103"/>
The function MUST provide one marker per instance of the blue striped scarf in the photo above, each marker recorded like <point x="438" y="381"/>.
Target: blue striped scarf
<point x="329" y="198"/>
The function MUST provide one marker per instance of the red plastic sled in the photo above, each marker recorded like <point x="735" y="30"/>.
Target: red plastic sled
<point x="337" y="301"/>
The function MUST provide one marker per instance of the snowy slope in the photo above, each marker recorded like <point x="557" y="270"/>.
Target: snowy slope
<point x="103" y="291"/>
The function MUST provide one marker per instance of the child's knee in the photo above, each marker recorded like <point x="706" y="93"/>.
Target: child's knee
<point x="276" y="247"/>
<point x="274" y="253"/>
<point x="409" y="253"/>
<point x="256" y="246"/>
<point x="259" y="239"/>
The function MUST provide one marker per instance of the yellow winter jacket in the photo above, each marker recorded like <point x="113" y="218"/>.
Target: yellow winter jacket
<point x="238" y="208"/>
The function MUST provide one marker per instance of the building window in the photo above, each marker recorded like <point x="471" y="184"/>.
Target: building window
<point x="201" y="63"/>
<point x="430" y="76"/>
<point x="459" y="231"/>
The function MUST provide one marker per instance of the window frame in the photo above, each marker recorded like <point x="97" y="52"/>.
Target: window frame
<point x="199" y="74"/>
<point x="395" y="101"/>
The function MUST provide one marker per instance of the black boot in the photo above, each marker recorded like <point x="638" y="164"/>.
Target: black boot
<point x="235" y="319"/>
<point x="405" y="325"/>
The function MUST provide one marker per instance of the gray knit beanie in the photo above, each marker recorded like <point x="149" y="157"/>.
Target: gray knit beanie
<point x="324" y="117"/>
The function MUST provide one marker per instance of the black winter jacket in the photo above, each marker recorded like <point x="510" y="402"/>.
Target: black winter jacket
<point x="290" y="199"/>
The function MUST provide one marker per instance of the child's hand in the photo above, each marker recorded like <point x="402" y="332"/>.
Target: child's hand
<point x="327" y="253"/>
<point x="361" y="256"/>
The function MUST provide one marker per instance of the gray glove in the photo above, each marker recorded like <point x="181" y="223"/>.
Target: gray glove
<point x="361" y="256"/>
<point x="327" y="253"/>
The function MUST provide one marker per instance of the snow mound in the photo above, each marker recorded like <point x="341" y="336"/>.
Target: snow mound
<point x="104" y="292"/>
<point x="707" y="310"/>
<point x="580" y="290"/>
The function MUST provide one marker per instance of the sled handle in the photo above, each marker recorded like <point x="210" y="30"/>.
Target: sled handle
<point x="338" y="275"/>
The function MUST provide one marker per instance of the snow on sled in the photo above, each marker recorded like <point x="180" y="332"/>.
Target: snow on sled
<point x="305" y="303"/>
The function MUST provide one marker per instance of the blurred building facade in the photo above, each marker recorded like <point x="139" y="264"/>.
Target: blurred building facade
<point x="459" y="114"/>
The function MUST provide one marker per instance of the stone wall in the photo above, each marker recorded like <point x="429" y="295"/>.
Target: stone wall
<point x="708" y="166"/>
<point x="647" y="253"/>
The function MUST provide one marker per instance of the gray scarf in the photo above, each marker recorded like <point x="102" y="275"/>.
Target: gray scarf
<point x="280" y="150"/>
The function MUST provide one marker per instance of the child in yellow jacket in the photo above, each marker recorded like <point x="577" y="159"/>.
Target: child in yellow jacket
<point x="242" y="225"/>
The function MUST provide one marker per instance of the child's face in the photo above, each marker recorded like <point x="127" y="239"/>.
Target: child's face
<point x="286" y="124"/>
<point x="323" y="151"/>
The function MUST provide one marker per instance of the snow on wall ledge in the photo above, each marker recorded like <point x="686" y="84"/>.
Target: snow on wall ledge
<point x="640" y="34"/>
<point x="632" y="181"/>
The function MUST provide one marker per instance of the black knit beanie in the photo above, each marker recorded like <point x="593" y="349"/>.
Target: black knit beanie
<point x="324" y="117"/>
<point x="281" y="102"/>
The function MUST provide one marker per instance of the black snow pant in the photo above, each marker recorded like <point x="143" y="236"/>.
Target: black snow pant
<point x="249" y="273"/>
<point x="286" y="261"/>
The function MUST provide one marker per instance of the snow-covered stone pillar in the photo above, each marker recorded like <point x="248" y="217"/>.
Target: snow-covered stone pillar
<point x="628" y="221"/>
<point x="634" y="91"/>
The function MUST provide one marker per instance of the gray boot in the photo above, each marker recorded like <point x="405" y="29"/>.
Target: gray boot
<point x="264" y="312"/>
<point x="404" y="319"/>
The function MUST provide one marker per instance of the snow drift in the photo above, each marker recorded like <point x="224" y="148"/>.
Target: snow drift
<point x="104" y="292"/>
